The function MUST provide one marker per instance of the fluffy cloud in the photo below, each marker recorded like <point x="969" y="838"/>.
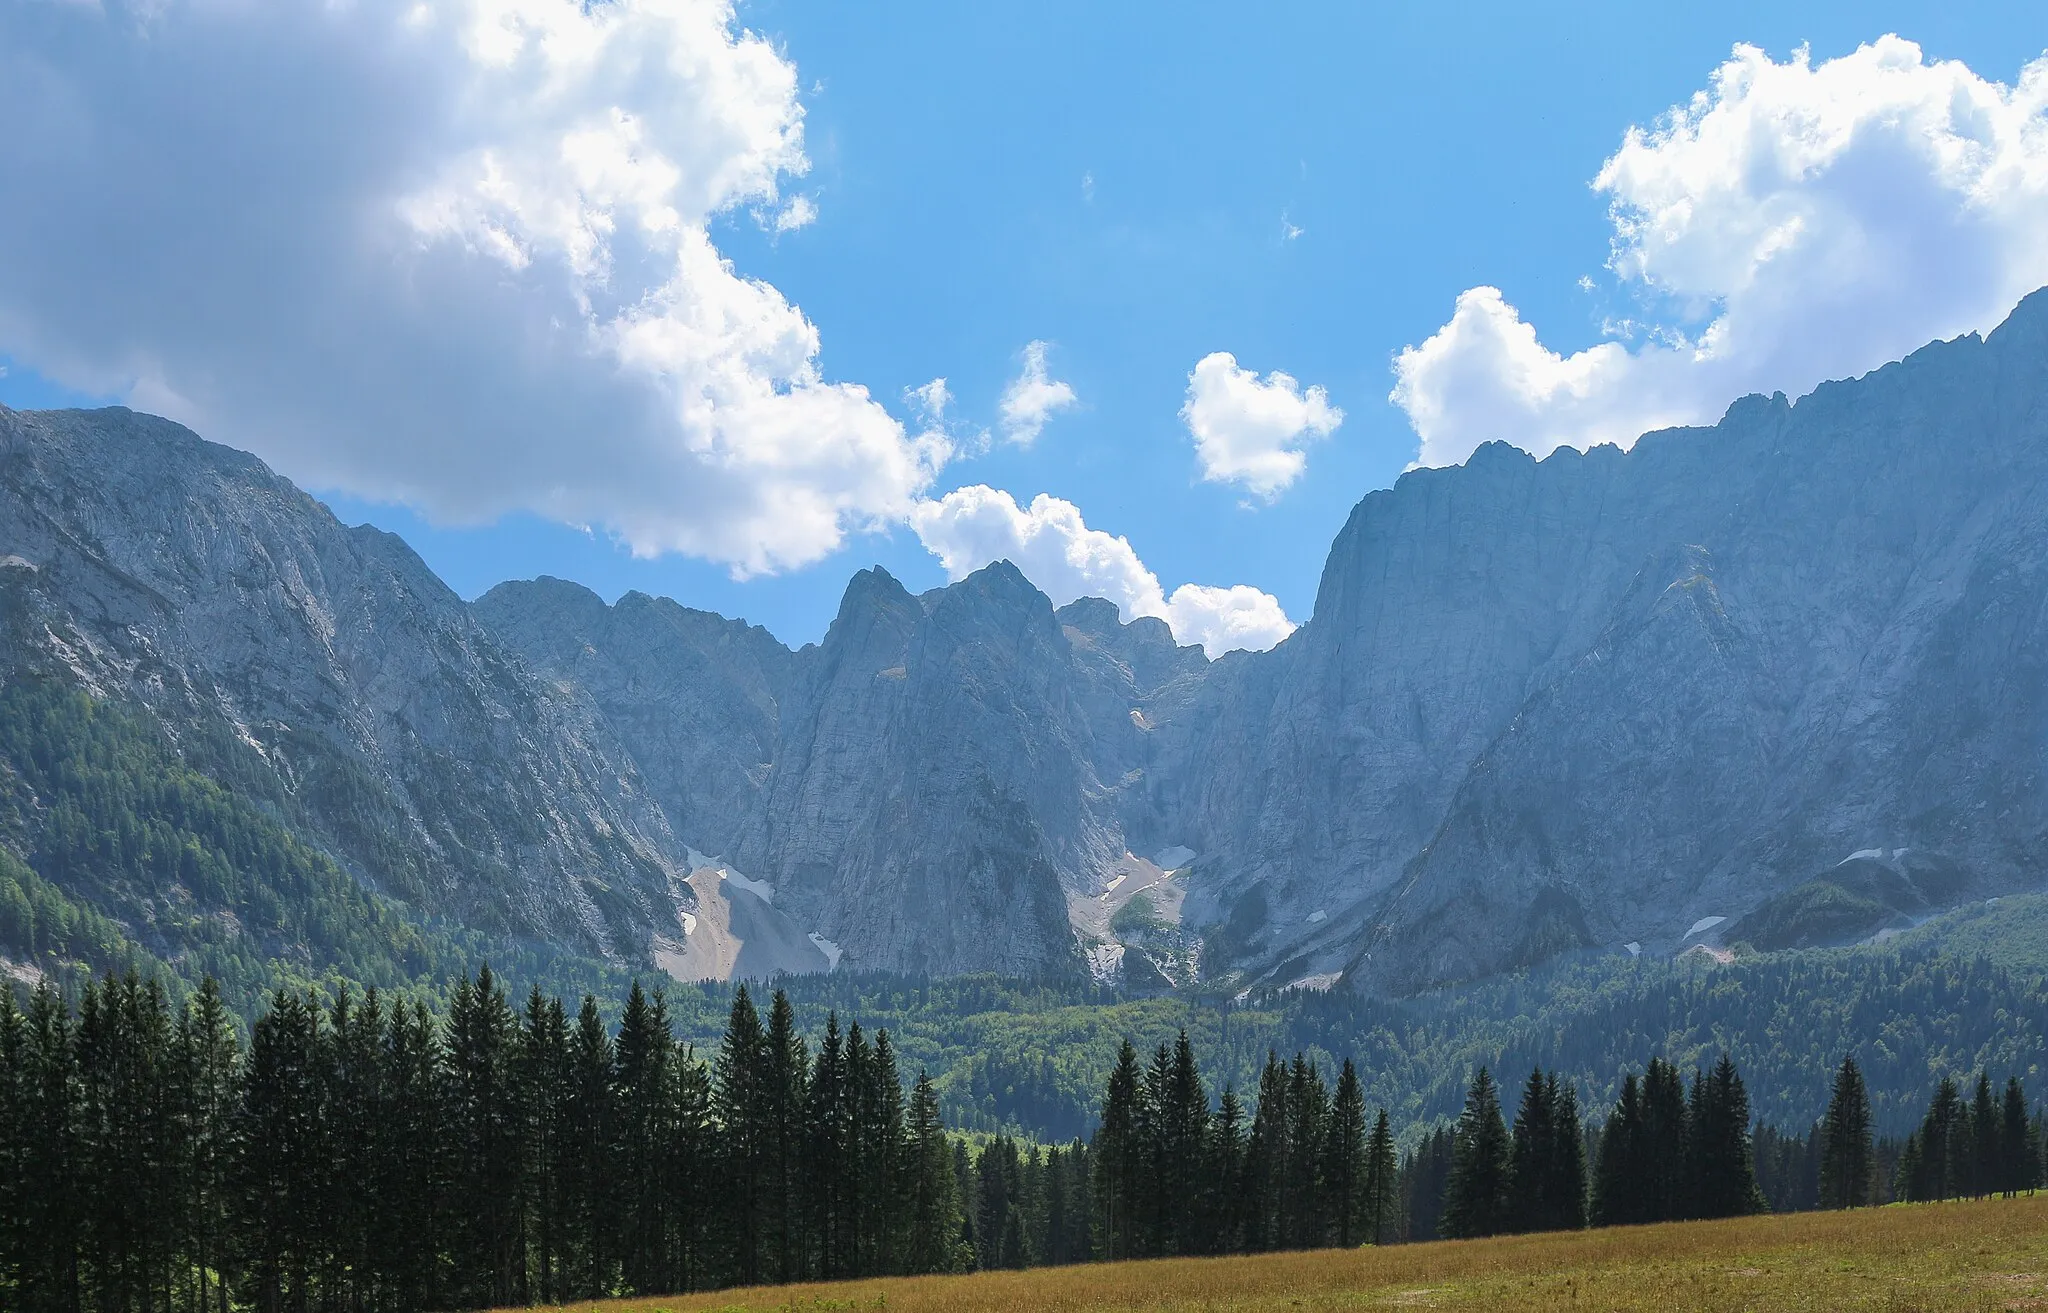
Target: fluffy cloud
<point x="452" y="252"/>
<point x="1032" y="398"/>
<point x="1250" y="431"/>
<point x="1792" y="223"/>
<point x="1056" y="550"/>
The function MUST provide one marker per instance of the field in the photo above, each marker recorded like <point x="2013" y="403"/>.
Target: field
<point x="1984" y="1255"/>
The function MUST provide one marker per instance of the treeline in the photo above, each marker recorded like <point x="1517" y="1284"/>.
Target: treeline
<point x="1173" y="1174"/>
<point x="361" y="1156"/>
<point x="364" y="1157"/>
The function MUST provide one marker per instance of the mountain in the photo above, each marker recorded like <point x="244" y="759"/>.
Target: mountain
<point x="1778" y="681"/>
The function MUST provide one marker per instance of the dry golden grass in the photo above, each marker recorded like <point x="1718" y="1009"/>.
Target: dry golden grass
<point x="1975" y="1256"/>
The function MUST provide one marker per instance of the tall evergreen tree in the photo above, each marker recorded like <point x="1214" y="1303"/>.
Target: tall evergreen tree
<point x="1181" y="1120"/>
<point x="932" y="1240"/>
<point x="641" y="1101"/>
<point x="744" y="1104"/>
<point x="1119" y="1158"/>
<point x="1224" y="1190"/>
<point x="2018" y="1157"/>
<point x="785" y="1070"/>
<point x="1382" y="1193"/>
<point x="589" y="1152"/>
<point x="483" y="1126"/>
<point x="1722" y="1171"/>
<point x="1344" y="1163"/>
<point x="1666" y="1180"/>
<point x="1476" y="1198"/>
<point x="1308" y="1109"/>
<point x="1986" y="1123"/>
<point x="883" y="1167"/>
<point x="545" y="1081"/>
<point x="1621" y="1193"/>
<point x="1267" y="1154"/>
<point x="281" y="1190"/>
<point x="1848" y="1154"/>
<point x="410" y="1178"/>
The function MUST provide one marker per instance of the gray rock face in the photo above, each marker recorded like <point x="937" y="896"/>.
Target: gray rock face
<point x="1597" y="700"/>
<point x="1601" y="698"/>
<point x="151" y="565"/>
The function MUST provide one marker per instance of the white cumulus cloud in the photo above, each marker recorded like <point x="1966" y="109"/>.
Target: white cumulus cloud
<point x="1032" y="398"/>
<point x="451" y="252"/>
<point x="1054" y="547"/>
<point x="1791" y="223"/>
<point x="1250" y="431"/>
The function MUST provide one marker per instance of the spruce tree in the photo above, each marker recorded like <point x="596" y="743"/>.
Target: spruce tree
<point x="2018" y="1161"/>
<point x="545" y="1080"/>
<point x="1119" y="1158"/>
<point x="1476" y="1197"/>
<point x="1425" y="1177"/>
<point x="1267" y="1154"/>
<point x="1621" y="1195"/>
<point x="410" y="1178"/>
<point x="1986" y="1124"/>
<point x="589" y="1155"/>
<point x="883" y="1167"/>
<point x="1344" y="1163"/>
<point x="485" y="1144"/>
<point x="645" y="1048"/>
<point x="1382" y="1193"/>
<point x="1665" y="1181"/>
<point x="1224" y="1187"/>
<point x="931" y="1244"/>
<point x="1181" y="1119"/>
<point x="743" y="1104"/>
<point x="1848" y="1157"/>
<point x="1308" y="1109"/>
<point x="785" y="1071"/>
<point x="1723" y="1171"/>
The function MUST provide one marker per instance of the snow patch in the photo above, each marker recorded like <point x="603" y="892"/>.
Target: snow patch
<point x="1860" y="853"/>
<point x="828" y="948"/>
<point x="1634" y="949"/>
<point x="689" y="924"/>
<point x="1172" y="859"/>
<point x="12" y="562"/>
<point x="1704" y="923"/>
<point x="1110" y="888"/>
<point x="1317" y="915"/>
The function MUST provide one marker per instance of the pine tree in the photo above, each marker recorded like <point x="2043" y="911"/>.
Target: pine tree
<point x="282" y="1180"/>
<point x="932" y="1241"/>
<point x="1344" y="1163"/>
<point x="1267" y="1154"/>
<point x="1476" y="1197"/>
<point x="353" y="1072"/>
<point x="1308" y="1111"/>
<point x="1665" y="1181"/>
<point x="545" y="1079"/>
<point x="1723" y="1171"/>
<point x="1119" y="1158"/>
<point x="883" y="1167"/>
<point x="1986" y="1124"/>
<point x="589" y="1137"/>
<point x="1620" y="1181"/>
<point x="485" y="1143"/>
<point x="2018" y="1162"/>
<point x="785" y="1071"/>
<point x="1224" y="1189"/>
<point x="1848" y="1162"/>
<point x="645" y="1049"/>
<point x="1182" y="1128"/>
<point x="1425" y="1178"/>
<point x="1382" y="1193"/>
<point x="832" y="1156"/>
<point x="743" y="1102"/>
<point x="410" y="1178"/>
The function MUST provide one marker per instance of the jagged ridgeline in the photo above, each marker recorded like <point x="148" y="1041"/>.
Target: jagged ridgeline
<point x="1769" y="686"/>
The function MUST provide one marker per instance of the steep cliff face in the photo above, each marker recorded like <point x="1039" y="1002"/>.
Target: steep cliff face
<point x="1599" y="702"/>
<point x="693" y="697"/>
<point x="1602" y="699"/>
<point x="157" y="568"/>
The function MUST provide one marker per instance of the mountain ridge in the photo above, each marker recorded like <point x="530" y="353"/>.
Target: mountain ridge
<point x="1542" y="707"/>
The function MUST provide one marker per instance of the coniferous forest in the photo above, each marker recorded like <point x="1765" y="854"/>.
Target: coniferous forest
<point x="365" y="1156"/>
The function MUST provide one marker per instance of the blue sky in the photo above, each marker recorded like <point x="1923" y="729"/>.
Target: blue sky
<point x="1309" y="188"/>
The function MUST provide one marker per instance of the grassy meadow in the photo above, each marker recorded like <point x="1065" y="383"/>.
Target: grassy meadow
<point x="1984" y="1255"/>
